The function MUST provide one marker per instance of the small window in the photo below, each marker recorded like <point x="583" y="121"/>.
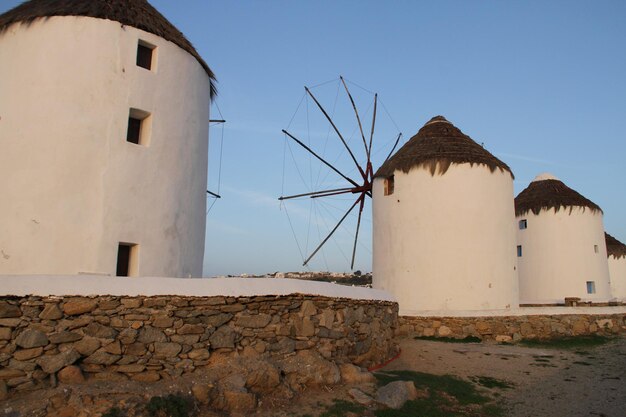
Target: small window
<point x="595" y="248"/>
<point x="127" y="254"/>
<point x="591" y="287"/>
<point x="523" y="224"/>
<point x="519" y="251"/>
<point x="139" y="124"/>
<point x="145" y="55"/>
<point x="389" y="185"/>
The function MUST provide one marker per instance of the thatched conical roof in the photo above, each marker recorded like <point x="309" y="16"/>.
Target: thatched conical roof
<point x="136" y="13"/>
<point x="546" y="192"/>
<point x="436" y="146"/>
<point x="614" y="247"/>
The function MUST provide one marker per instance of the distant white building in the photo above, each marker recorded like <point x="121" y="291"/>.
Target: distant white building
<point x="443" y="224"/>
<point x="561" y="246"/>
<point x="104" y="109"/>
<point x="616" y="252"/>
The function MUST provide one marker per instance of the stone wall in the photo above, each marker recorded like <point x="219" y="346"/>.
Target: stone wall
<point x="513" y="328"/>
<point x="150" y="338"/>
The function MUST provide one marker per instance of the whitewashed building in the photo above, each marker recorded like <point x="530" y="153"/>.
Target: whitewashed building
<point x="443" y="224"/>
<point x="561" y="246"/>
<point x="616" y="253"/>
<point x="104" y="109"/>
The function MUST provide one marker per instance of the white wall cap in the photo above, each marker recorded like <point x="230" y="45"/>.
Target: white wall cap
<point x="89" y="285"/>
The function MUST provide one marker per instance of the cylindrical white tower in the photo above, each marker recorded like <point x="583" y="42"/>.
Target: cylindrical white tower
<point x="443" y="224"/>
<point x="561" y="248"/>
<point x="104" y="110"/>
<point x="616" y="252"/>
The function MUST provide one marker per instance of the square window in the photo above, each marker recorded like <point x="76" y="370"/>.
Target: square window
<point x="591" y="287"/>
<point x="519" y="251"/>
<point x="389" y="185"/>
<point x="145" y="55"/>
<point x="523" y="224"/>
<point x="127" y="258"/>
<point x="139" y="124"/>
<point x="595" y="248"/>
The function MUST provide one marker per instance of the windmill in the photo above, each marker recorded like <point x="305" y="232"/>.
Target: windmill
<point x="359" y="184"/>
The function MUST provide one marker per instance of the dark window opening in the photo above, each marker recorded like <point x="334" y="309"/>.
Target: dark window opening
<point x="519" y="251"/>
<point x="123" y="259"/>
<point x="139" y="127"/>
<point x="144" y="56"/>
<point x="523" y="224"/>
<point x="389" y="185"/>
<point x="134" y="130"/>
<point x="591" y="287"/>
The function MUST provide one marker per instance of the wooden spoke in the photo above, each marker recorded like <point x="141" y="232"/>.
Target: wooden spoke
<point x="358" y="224"/>
<point x="358" y="119"/>
<point x="373" y="123"/>
<point x="394" y="147"/>
<point x="320" y="158"/>
<point x="331" y="233"/>
<point x="336" y="130"/>
<point x="314" y="193"/>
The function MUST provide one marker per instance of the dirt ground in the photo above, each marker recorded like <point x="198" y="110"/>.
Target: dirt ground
<point x="546" y="382"/>
<point x="589" y="381"/>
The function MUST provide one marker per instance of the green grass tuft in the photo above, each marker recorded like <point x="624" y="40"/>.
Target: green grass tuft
<point x="490" y="382"/>
<point x="567" y="342"/>
<point x="467" y="339"/>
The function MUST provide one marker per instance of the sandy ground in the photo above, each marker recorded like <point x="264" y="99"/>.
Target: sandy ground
<point x="546" y="382"/>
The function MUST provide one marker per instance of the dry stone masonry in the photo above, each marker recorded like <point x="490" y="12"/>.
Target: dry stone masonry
<point x="48" y="339"/>
<point x="513" y="328"/>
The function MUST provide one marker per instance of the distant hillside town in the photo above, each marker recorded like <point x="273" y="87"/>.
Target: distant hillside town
<point x="357" y="278"/>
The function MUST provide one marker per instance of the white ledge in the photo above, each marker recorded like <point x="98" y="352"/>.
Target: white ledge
<point x="90" y="285"/>
<point x="521" y="311"/>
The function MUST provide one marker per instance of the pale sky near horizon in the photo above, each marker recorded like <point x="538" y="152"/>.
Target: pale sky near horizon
<point x="541" y="84"/>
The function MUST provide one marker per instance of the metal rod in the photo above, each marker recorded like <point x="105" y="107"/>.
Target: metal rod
<point x="373" y="122"/>
<point x="358" y="224"/>
<point x="213" y="194"/>
<point x="394" y="147"/>
<point x="217" y="121"/>
<point x="358" y="119"/>
<point x="320" y="158"/>
<point x="331" y="233"/>
<point x="336" y="130"/>
<point x="313" y="193"/>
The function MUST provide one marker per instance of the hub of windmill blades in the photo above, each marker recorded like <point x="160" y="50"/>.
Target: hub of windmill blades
<point x="360" y="186"/>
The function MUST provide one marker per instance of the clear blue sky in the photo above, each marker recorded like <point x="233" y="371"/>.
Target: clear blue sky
<point x="541" y="84"/>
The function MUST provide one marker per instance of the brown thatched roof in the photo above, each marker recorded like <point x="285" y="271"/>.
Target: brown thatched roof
<point x="614" y="247"/>
<point x="136" y="13"/>
<point x="436" y="146"/>
<point x="547" y="192"/>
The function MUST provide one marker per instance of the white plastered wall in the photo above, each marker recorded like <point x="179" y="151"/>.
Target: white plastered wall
<point x="559" y="256"/>
<point x="446" y="242"/>
<point x="617" y="274"/>
<point x="72" y="186"/>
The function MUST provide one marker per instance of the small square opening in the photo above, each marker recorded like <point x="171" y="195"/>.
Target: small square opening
<point x="139" y="125"/>
<point x="127" y="259"/>
<point x="591" y="287"/>
<point x="389" y="185"/>
<point x="523" y="224"/>
<point x="596" y="249"/>
<point x="519" y="251"/>
<point x="145" y="55"/>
